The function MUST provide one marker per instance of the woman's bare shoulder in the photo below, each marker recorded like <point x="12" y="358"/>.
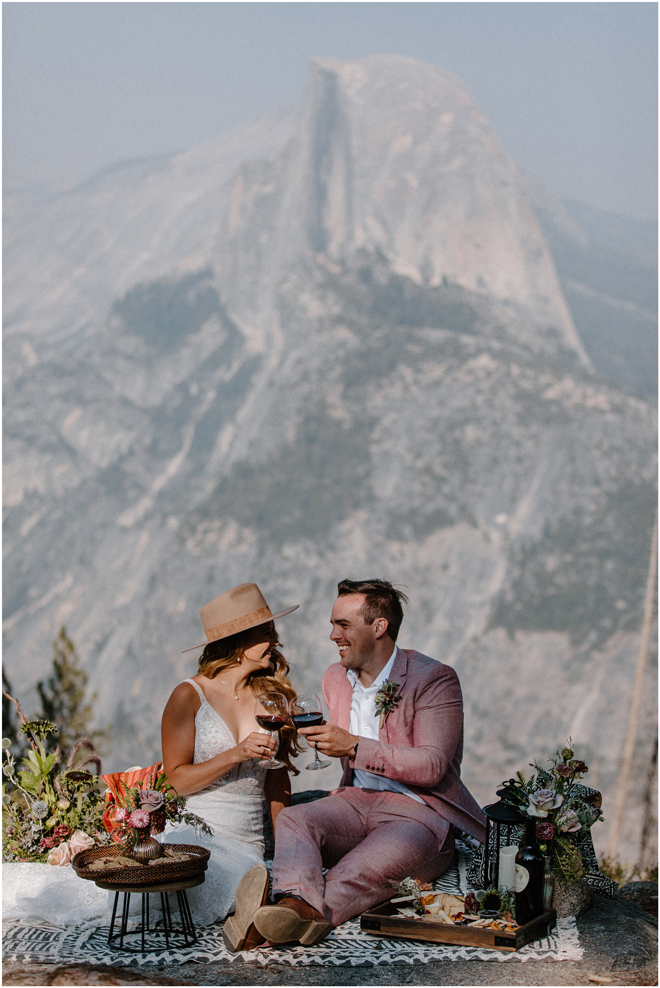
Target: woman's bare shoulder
<point x="184" y="697"/>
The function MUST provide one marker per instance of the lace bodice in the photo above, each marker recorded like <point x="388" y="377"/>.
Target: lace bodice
<point x="213" y="736"/>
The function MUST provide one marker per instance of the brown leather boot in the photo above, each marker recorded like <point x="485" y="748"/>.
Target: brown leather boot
<point x="290" y="920"/>
<point x="239" y="932"/>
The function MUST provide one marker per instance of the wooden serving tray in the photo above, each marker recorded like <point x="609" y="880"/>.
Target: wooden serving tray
<point x="384" y="921"/>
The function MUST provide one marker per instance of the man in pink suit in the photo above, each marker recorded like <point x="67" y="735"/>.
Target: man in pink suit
<point x="400" y="790"/>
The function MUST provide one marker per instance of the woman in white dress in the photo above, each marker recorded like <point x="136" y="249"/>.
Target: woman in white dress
<point x="212" y="746"/>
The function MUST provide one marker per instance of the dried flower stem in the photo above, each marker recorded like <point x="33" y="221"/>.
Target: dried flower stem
<point x="21" y="715"/>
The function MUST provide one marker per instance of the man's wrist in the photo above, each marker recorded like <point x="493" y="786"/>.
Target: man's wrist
<point x="353" y="754"/>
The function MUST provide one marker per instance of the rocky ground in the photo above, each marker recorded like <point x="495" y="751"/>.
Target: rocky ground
<point x="618" y="936"/>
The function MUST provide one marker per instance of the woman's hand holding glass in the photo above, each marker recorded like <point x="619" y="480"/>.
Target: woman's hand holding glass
<point x="307" y="711"/>
<point x="256" y="745"/>
<point x="271" y="711"/>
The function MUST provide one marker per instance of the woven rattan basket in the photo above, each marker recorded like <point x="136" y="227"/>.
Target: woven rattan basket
<point x="161" y="870"/>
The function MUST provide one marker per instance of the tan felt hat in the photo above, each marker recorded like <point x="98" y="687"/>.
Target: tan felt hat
<point x="237" y="610"/>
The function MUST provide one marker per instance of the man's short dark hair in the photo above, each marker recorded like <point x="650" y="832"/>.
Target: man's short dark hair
<point x="381" y="600"/>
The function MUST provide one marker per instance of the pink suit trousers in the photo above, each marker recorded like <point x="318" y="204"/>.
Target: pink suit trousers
<point x="366" y="839"/>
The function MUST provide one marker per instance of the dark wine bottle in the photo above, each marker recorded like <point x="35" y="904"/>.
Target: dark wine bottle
<point x="530" y="869"/>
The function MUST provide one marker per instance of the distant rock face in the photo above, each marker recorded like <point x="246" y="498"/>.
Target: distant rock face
<point x="324" y="346"/>
<point x="394" y="162"/>
<point x="608" y="268"/>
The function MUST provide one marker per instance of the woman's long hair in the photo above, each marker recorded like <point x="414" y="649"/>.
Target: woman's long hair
<point x="275" y="679"/>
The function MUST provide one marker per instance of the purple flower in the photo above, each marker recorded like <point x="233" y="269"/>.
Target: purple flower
<point x="545" y="831"/>
<point x="568" y="821"/>
<point x="565" y="771"/>
<point x="139" y="819"/>
<point x="543" y="801"/>
<point x="151" y="800"/>
<point x="579" y="768"/>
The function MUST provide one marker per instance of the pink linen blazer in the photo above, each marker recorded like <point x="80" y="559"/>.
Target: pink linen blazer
<point x="421" y="742"/>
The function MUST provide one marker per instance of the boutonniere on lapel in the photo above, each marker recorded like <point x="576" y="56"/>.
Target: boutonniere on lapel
<point x="386" y="699"/>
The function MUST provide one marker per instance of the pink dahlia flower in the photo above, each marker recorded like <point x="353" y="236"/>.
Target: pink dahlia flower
<point x="139" y="819"/>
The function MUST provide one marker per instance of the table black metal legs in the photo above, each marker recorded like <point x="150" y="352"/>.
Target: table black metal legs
<point x="185" y="931"/>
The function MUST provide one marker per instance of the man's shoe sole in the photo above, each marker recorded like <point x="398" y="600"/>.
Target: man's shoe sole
<point x="238" y="932"/>
<point x="279" y="924"/>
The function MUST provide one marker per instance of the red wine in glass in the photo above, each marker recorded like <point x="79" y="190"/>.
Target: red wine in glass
<point x="307" y="720"/>
<point x="270" y="712"/>
<point x="307" y="711"/>
<point x="270" y="722"/>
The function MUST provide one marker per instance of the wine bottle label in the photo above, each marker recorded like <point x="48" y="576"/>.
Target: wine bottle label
<point x="522" y="878"/>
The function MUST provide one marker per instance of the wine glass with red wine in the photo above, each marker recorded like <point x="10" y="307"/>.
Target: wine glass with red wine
<point x="307" y="711"/>
<point x="270" y="712"/>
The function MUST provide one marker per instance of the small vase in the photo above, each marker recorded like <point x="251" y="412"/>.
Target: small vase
<point x="145" y="851"/>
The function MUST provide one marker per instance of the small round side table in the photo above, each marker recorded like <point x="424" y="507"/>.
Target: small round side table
<point x="181" y="936"/>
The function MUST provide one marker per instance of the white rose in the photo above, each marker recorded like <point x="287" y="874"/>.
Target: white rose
<point x="543" y="801"/>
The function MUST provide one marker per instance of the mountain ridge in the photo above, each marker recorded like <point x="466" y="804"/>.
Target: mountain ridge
<point x="290" y="390"/>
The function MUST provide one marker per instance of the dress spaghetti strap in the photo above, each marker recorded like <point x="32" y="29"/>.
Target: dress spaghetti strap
<point x="198" y="688"/>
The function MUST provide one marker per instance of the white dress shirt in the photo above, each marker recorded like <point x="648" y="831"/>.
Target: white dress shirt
<point x="365" y="722"/>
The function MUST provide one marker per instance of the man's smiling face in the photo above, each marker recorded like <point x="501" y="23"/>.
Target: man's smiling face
<point x="354" y="639"/>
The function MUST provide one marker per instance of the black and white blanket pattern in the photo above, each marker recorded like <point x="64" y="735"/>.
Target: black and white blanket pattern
<point x="347" y="946"/>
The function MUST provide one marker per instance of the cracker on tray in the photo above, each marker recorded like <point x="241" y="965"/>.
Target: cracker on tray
<point x="114" y="861"/>
<point x="174" y="856"/>
<point x="450" y="904"/>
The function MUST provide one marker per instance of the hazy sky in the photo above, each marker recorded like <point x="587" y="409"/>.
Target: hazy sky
<point x="570" y="89"/>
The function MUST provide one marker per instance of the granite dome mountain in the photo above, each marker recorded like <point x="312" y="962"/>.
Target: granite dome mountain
<point x="327" y="343"/>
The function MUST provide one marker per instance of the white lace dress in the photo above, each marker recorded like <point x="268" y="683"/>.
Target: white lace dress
<point x="233" y="808"/>
<point x="41" y="893"/>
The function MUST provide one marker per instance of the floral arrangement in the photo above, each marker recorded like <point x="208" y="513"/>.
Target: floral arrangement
<point x="386" y="699"/>
<point x="139" y="803"/>
<point x="561" y="807"/>
<point x="48" y="814"/>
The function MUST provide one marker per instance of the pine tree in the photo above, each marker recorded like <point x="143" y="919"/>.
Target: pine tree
<point x="63" y="695"/>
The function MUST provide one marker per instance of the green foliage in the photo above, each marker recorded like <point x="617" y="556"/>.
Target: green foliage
<point x="568" y="860"/>
<point x="45" y="801"/>
<point x="63" y="695"/>
<point x="560" y="806"/>
<point x="42" y="807"/>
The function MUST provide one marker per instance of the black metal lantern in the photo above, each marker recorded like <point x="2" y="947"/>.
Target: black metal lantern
<point x="502" y="829"/>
